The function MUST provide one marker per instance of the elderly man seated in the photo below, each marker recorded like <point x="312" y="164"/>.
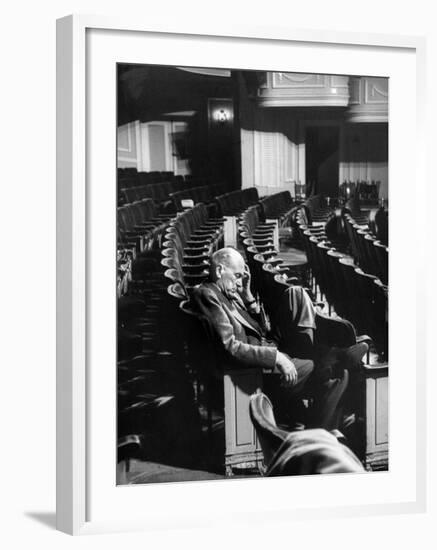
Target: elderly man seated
<point x="234" y="317"/>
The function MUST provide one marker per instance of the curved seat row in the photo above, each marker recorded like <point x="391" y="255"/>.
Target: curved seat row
<point x="235" y="202"/>
<point x="203" y="194"/>
<point x="159" y="192"/>
<point x="369" y="253"/>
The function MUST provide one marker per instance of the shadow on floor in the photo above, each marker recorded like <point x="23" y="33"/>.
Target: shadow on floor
<point x="45" y="518"/>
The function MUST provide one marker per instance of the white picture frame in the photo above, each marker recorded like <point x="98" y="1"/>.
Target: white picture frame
<point x="84" y="427"/>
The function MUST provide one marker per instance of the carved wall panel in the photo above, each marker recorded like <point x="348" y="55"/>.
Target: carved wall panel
<point x="298" y="80"/>
<point x="303" y="90"/>
<point x="369" y="99"/>
<point x="376" y="90"/>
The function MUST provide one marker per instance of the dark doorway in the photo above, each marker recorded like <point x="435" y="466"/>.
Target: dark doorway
<point x="321" y="160"/>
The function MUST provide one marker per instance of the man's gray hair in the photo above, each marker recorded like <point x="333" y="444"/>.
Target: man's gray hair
<point x="223" y="256"/>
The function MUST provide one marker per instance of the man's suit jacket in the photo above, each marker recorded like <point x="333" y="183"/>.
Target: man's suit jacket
<point x="239" y="337"/>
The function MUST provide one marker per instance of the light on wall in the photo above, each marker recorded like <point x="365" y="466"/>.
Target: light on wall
<point x="221" y="115"/>
<point x="220" y="112"/>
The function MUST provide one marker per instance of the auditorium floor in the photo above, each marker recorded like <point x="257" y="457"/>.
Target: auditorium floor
<point x="200" y="462"/>
<point x="151" y="472"/>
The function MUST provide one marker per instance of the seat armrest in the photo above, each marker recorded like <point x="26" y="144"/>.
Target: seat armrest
<point x="194" y="253"/>
<point x="364" y="338"/>
<point x="275" y="261"/>
<point x="375" y="370"/>
<point x="193" y="269"/>
<point x="265" y="247"/>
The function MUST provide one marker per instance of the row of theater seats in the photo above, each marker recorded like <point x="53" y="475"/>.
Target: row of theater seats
<point x="269" y="271"/>
<point x="190" y="240"/>
<point x="362" y="190"/>
<point x="159" y="192"/>
<point x="203" y="194"/>
<point x="235" y="202"/>
<point x="158" y="417"/>
<point x="139" y="230"/>
<point x="134" y="178"/>
<point x="318" y="208"/>
<point x="139" y="226"/>
<point x="353" y="207"/>
<point x="350" y="325"/>
<point x="130" y="177"/>
<point x="278" y="206"/>
<point x="275" y="283"/>
<point x="154" y="392"/>
<point x="368" y="252"/>
<point x="355" y="294"/>
<point x="375" y="218"/>
<point x="378" y="224"/>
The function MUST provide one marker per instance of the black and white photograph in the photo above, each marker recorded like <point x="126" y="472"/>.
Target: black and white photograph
<point x="252" y="274"/>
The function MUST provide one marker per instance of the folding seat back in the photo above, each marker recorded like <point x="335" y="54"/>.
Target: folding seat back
<point x="122" y="221"/>
<point x="275" y="284"/>
<point x="130" y="194"/>
<point x="151" y="205"/>
<point x="334" y="331"/>
<point x="142" y="192"/>
<point x="222" y="205"/>
<point x="352" y="310"/>
<point x="366" y="300"/>
<point x="353" y="205"/>
<point x="196" y="216"/>
<point x="187" y="221"/>
<point x="251" y="194"/>
<point x="182" y="225"/>
<point x="324" y="277"/>
<point x="127" y="194"/>
<point x="257" y="274"/>
<point x="380" y="336"/>
<point x="314" y="258"/>
<point x="128" y="216"/>
<point x="327" y="278"/>
<point x="381" y="223"/>
<point x="381" y="255"/>
<point x="145" y="191"/>
<point x="136" y="213"/>
<point x="335" y="280"/>
<point x="177" y="197"/>
<point x="359" y="235"/>
<point x="371" y="260"/>
<point x="335" y="230"/>
<point x="161" y="191"/>
<point x="352" y="238"/>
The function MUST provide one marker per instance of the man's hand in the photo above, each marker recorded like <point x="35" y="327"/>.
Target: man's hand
<point x="246" y="293"/>
<point x="286" y="368"/>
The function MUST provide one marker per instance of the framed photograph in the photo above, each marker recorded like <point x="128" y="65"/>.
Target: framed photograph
<point x="179" y="150"/>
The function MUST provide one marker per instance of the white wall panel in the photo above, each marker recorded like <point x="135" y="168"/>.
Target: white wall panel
<point x="128" y="145"/>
